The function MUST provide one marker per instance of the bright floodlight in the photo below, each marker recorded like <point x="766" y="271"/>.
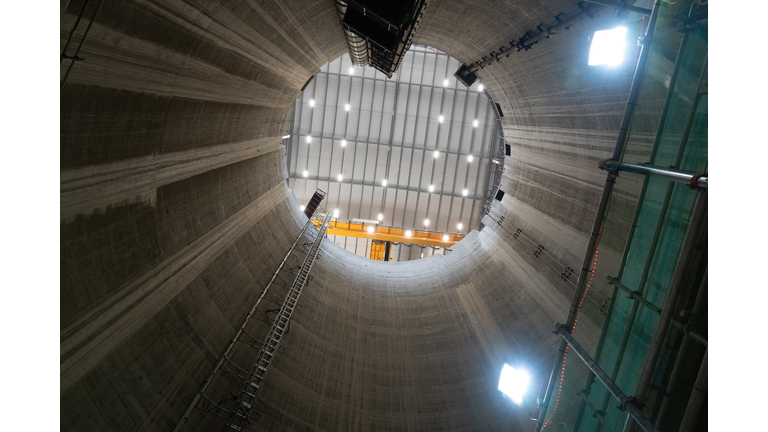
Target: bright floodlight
<point x="335" y="212"/>
<point x="339" y="177"/>
<point x="445" y="82"/>
<point x="311" y="102"/>
<point x="470" y="158"/>
<point x="381" y="216"/>
<point x="301" y="208"/>
<point x="286" y="136"/>
<point x="459" y="225"/>
<point x="440" y="119"/>
<point x="480" y="87"/>
<point x="431" y="188"/>
<point x="513" y="383"/>
<point x="445" y="237"/>
<point x="305" y="173"/>
<point x="384" y="182"/>
<point x="371" y="229"/>
<point x="346" y="107"/>
<point x="408" y="233"/>
<point x="426" y="222"/>
<point x="475" y="123"/>
<point x="464" y="192"/>
<point x="351" y="70"/>
<point x="436" y="154"/>
<point x="608" y="47"/>
<point x="309" y="139"/>
<point x="343" y="143"/>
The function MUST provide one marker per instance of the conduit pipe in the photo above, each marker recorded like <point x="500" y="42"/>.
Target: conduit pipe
<point x="72" y="33"/>
<point x="634" y="93"/>
<point x="526" y="44"/>
<point x="693" y="180"/>
<point x="82" y="41"/>
<point x="681" y="269"/>
<point x="621" y="6"/>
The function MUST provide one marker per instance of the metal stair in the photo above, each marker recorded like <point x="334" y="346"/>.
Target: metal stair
<point x="239" y="416"/>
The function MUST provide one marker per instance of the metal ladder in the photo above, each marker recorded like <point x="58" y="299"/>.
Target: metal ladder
<point x="239" y="417"/>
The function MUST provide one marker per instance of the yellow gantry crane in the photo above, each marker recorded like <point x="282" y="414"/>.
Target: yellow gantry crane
<point x="383" y="235"/>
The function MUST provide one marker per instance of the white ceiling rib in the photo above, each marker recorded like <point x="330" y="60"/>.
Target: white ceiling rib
<point x="392" y="130"/>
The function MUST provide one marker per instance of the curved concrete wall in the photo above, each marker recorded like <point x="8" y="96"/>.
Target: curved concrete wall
<point x="174" y="214"/>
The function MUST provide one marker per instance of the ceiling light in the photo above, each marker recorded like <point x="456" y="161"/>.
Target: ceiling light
<point x="309" y="139"/>
<point x="384" y="182"/>
<point x="343" y="143"/>
<point x="436" y="154"/>
<point x="339" y="177"/>
<point x="445" y="237"/>
<point x="305" y="173"/>
<point x="480" y="87"/>
<point x="431" y="188"/>
<point x="311" y="102"/>
<point x="381" y="216"/>
<point x="286" y="136"/>
<point x="475" y="123"/>
<point x="301" y="208"/>
<point x="459" y="225"/>
<point x="440" y="119"/>
<point x="408" y="233"/>
<point x="608" y="47"/>
<point x="426" y="222"/>
<point x="470" y="158"/>
<point x="513" y="383"/>
<point x="351" y="71"/>
<point x="346" y="107"/>
<point x="445" y="82"/>
<point x="370" y="229"/>
<point x="464" y="192"/>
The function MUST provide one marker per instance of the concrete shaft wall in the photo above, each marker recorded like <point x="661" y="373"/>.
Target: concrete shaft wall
<point x="174" y="214"/>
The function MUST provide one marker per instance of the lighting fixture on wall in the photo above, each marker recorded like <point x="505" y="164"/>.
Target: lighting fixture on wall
<point x="514" y="383"/>
<point x="608" y="47"/>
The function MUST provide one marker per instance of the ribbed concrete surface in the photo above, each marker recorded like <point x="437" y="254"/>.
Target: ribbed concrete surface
<point x="174" y="215"/>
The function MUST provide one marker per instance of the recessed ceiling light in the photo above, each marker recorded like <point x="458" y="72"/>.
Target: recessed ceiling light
<point x="301" y="208"/>
<point x="371" y="229"/>
<point x="431" y="188"/>
<point x="470" y="158"/>
<point x="408" y="233"/>
<point x="305" y="173"/>
<point x="426" y="222"/>
<point x="475" y="123"/>
<point x="445" y="82"/>
<point x="445" y="237"/>
<point x="513" y="383"/>
<point x="608" y="47"/>
<point x="346" y="107"/>
<point x="436" y="154"/>
<point x="480" y="87"/>
<point x="381" y="216"/>
<point x="440" y="119"/>
<point x="339" y="177"/>
<point x="464" y="192"/>
<point x="384" y="182"/>
<point x="459" y="225"/>
<point x="311" y="102"/>
<point x="343" y="143"/>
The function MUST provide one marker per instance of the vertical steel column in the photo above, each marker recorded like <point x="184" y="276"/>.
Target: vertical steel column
<point x="698" y="395"/>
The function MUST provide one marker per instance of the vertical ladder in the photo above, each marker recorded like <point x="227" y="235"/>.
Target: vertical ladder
<point x="239" y="416"/>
